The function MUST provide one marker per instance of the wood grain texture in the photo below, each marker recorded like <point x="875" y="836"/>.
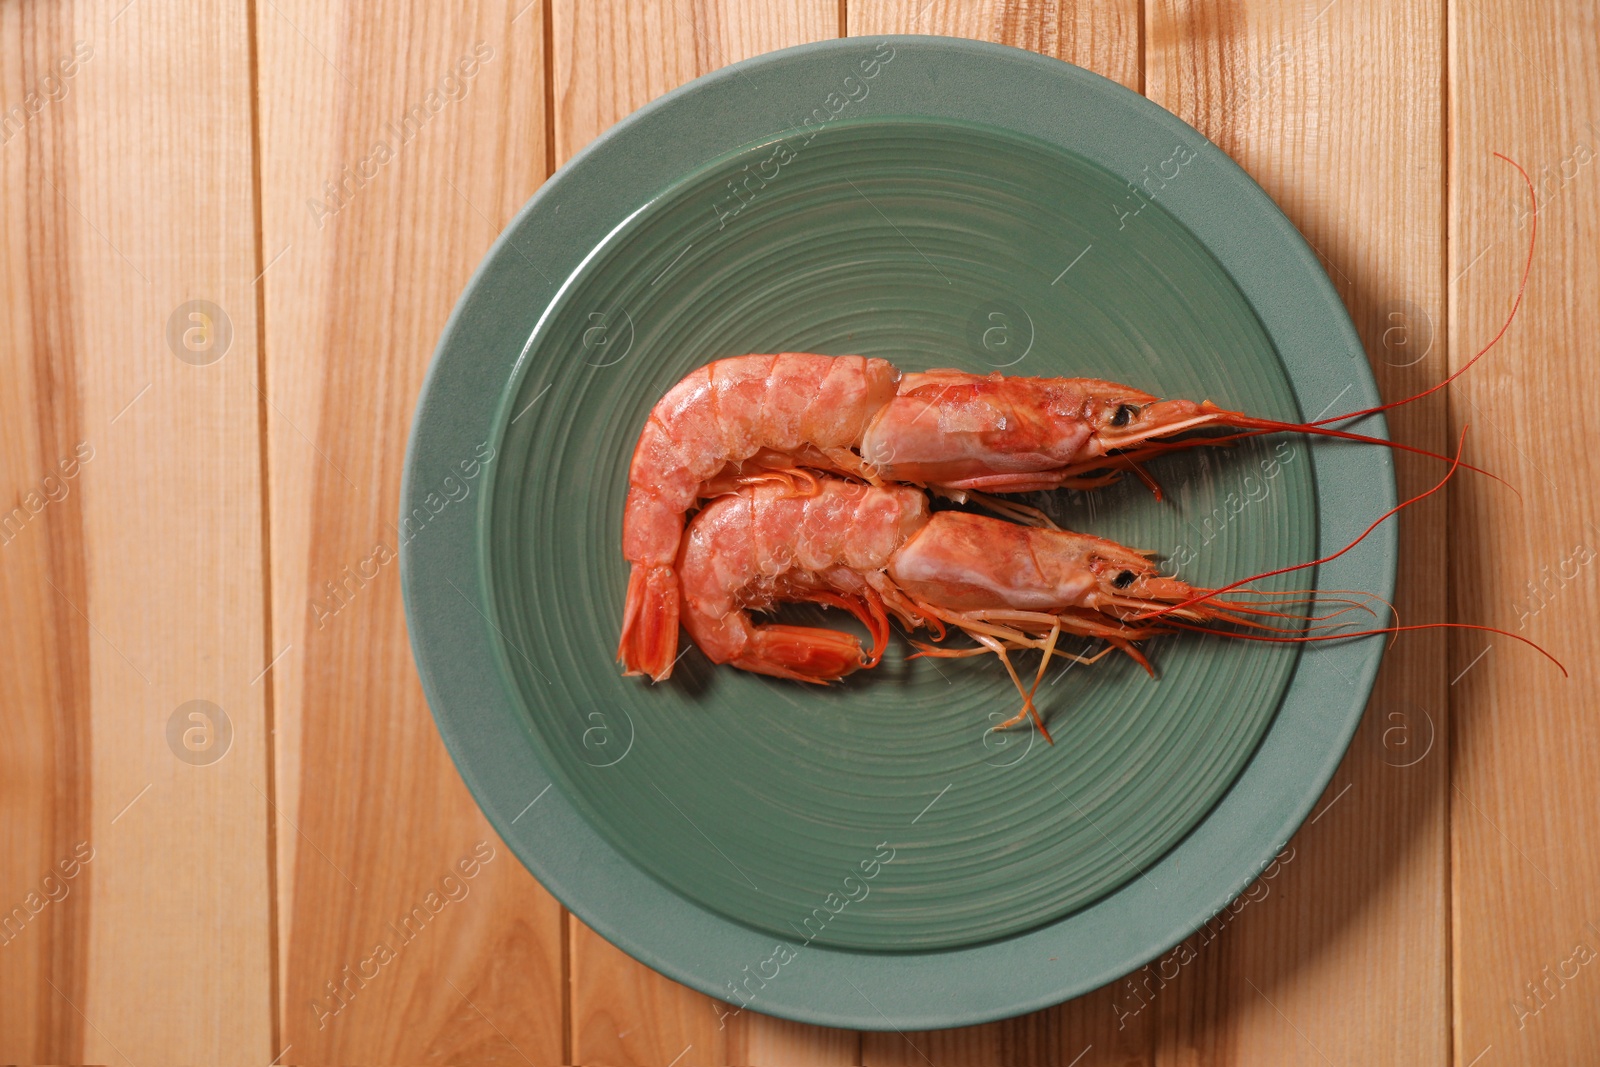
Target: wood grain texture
<point x="1525" y="844"/>
<point x="397" y="139"/>
<point x="171" y="525"/>
<point x="610" y="58"/>
<point x="1102" y="35"/>
<point x="45" y="731"/>
<point x="132" y="575"/>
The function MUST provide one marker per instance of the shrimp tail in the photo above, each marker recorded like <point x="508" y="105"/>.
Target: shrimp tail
<point x="649" y="643"/>
<point x="800" y="653"/>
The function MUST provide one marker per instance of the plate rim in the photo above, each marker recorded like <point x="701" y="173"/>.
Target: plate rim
<point x="443" y="633"/>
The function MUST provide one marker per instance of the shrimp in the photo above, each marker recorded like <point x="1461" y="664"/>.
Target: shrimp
<point x="993" y="433"/>
<point x="879" y="552"/>
<point x="768" y="418"/>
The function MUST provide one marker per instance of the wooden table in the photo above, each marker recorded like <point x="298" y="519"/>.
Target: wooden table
<point x="202" y="498"/>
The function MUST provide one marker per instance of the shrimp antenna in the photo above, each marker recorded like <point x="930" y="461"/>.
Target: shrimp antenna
<point x="1320" y="426"/>
<point x="1317" y="428"/>
<point x="1380" y="630"/>
<point x="1210" y="593"/>
<point x="1522" y="286"/>
<point x="1255" y="427"/>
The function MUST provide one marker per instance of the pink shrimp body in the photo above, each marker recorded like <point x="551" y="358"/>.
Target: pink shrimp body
<point x="766" y="545"/>
<point x="877" y="551"/>
<point x="965" y="562"/>
<point x="1003" y="434"/>
<point x="723" y="414"/>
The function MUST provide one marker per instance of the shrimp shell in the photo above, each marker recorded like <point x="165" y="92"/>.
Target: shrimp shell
<point x="719" y="416"/>
<point x="752" y="550"/>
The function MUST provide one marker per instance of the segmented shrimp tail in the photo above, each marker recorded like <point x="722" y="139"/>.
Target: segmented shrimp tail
<point x="649" y="643"/>
<point x="800" y="653"/>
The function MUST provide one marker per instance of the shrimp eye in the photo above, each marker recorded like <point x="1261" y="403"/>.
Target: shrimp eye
<point x="1124" y="413"/>
<point x="1123" y="580"/>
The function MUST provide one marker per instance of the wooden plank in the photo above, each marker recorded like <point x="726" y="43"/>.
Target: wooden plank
<point x="397" y="139"/>
<point x="131" y="578"/>
<point x="44" y="734"/>
<point x="1337" y="111"/>
<point x="1525" y="847"/>
<point x="610" y="58"/>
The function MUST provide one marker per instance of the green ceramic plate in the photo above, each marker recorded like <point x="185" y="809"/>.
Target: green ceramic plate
<point x="871" y="854"/>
